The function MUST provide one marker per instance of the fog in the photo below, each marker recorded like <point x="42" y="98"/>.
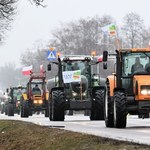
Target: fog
<point x="34" y="23"/>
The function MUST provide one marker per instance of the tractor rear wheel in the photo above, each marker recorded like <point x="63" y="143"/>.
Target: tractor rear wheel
<point x="120" y="109"/>
<point x="24" y="109"/>
<point x="10" y="109"/>
<point x="57" y="106"/>
<point x="97" y="111"/>
<point x="108" y="108"/>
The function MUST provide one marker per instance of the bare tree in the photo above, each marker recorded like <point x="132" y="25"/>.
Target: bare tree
<point x="145" y="37"/>
<point x="79" y="37"/>
<point x="7" y="12"/>
<point x="132" y="30"/>
<point x="7" y="9"/>
<point x="38" y="2"/>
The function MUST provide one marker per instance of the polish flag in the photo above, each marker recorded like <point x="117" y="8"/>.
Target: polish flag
<point x="27" y="70"/>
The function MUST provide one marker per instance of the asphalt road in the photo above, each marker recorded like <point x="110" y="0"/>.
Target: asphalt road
<point x="137" y="130"/>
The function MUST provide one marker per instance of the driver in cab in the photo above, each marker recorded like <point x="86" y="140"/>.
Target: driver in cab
<point x="137" y="66"/>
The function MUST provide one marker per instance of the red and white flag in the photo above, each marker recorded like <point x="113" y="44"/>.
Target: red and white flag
<point x="41" y="69"/>
<point x="27" y="70"/>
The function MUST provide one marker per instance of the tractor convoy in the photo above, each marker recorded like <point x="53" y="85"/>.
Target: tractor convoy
<point x="78" y="86"/>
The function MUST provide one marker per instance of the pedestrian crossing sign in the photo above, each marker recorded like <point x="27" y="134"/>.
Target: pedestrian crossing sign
<point x="51" y="55"/>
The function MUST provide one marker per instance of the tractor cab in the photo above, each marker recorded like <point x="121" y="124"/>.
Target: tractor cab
<point x="134" y="65"/>
<point x="128" y="89"/>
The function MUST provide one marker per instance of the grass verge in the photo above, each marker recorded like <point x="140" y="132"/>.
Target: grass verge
<point x="17" y="135"/>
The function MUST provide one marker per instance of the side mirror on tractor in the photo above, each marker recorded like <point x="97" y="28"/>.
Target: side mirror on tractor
<point x="105" y="55"/>
<point x="49" y="67"/>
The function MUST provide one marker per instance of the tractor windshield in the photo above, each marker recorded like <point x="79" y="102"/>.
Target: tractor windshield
<point x="135" y="63"/>
<point x="17" y="93"/>
<point x="77" y="65"/>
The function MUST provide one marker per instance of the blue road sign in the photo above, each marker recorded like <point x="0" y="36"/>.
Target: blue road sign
<point x="51" y="55"/>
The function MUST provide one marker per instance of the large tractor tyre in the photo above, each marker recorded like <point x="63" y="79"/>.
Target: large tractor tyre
<point x="10" y="109"/>
<point x="97" y="111"/>
<point x="24" y="109"/>
<point x="57" y="106"/>
<point x="108" y="108"/>
<point x="120" y="109"/>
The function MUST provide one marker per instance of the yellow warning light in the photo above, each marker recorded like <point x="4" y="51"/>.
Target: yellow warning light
<point x="93" y="53"/>
<point x="58" y="54"/>
<point x="51" y="48"/>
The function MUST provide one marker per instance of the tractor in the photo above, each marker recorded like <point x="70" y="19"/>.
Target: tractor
<point x="35" y="100"/>
<point x="128" y="88"/>
<point x="14" y="97"/>
<point x="76" y="86"/>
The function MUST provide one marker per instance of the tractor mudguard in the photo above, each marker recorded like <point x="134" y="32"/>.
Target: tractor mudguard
<point x="112" y="83"/>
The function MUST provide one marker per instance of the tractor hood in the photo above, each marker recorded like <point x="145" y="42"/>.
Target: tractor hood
<point x="141" y="87"/>
<point x="80" y="86"/>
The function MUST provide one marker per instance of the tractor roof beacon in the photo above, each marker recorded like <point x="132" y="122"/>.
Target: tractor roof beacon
<point x="82" y="92"/>
<point x="128" y="88"/>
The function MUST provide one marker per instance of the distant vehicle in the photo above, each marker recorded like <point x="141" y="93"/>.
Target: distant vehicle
<point x="36" y="97"/>
<point x="2" y="102"/>
<point x="12" y="105"/>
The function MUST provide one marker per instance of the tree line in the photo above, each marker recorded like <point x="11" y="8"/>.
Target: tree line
<point x="75" y="37"/>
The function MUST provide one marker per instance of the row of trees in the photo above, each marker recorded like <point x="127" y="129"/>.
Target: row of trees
<point x="84" y="35"/>
<point x="81" y="37"/>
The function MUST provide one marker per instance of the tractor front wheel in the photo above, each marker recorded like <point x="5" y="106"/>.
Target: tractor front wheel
<point x="24" y="109"/>
<point x="57" y="103"/>
<point x="120" y="109"/>
<point x="10" y="109"/>
<point x="97" y="111"/>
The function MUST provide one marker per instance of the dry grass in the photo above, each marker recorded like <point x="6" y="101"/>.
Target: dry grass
<point x="16" y="135"/>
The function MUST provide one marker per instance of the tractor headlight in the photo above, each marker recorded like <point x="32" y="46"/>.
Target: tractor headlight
<point x="84" y="94"/>
<point x="144" y="92"/>
<point x="40" y="101"/>
<point x="74" y="94"/>
<point x="35" y="101"/>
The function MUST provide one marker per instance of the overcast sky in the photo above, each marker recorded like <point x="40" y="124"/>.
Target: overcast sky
<point x="35" y="24"/>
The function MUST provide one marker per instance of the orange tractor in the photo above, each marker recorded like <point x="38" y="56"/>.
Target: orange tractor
<point x="36" y="97"/>
<point x="128" y="88"/>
